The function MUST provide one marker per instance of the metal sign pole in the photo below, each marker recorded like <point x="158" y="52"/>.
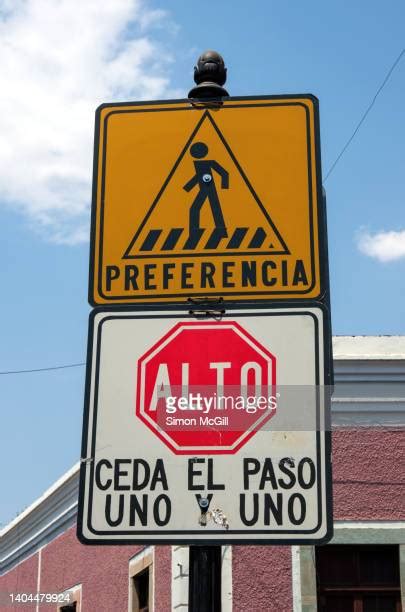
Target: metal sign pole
<point x="205" y="579"/>
<point x="205" y="561"/>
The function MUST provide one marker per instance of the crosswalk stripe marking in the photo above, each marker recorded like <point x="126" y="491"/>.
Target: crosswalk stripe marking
<point x="151" y="240"/>
<point x="194" y="238"/>
<point x="216" y="237"/>
<point x="237" y="237"/>
<point x="172" y="239"/>
<point x="258" y="239"/>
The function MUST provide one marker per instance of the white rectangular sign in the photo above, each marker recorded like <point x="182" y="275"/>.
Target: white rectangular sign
<point x="206" y="429"/>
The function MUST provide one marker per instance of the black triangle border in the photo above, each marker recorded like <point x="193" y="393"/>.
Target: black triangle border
<point x="221" y="253"/>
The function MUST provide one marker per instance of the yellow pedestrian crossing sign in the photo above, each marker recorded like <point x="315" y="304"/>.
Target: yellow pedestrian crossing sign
<point x="207" y="201"/>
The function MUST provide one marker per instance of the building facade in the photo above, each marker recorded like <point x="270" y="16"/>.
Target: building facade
<point x="362" y="569"/>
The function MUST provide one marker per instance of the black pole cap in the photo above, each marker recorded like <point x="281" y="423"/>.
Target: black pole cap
<point x="209" y="76"/>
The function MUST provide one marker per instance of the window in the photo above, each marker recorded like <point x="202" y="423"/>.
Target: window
<point x="73" y="605"/>
<point x="141" y="591"/>
<point x="141" y="582"/>
<point x="358" y="578"/>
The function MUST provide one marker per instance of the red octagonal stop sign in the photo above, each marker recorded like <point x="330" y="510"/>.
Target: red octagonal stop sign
<point x="206" y="387"/>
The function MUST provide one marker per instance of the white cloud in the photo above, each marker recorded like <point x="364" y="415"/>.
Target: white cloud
<point x="59" y="60"/>
<point x="384" y="246"/>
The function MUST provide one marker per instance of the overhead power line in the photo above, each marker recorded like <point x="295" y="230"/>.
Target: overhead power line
<point x="61" y="367"/>
<point x="366" y="112"/>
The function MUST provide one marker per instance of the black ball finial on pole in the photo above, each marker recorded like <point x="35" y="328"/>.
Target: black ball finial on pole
<point x="209" y="76"/>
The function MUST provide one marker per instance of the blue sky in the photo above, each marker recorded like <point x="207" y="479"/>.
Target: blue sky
<point x="61" y="60"/>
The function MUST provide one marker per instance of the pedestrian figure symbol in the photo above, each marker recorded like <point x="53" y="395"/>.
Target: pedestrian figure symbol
<point x="204" y="178"/>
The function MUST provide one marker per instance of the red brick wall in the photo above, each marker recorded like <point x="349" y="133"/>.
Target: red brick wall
<point x="22" y="579"/>
<point x="261" y="578"/>
<point x="368" y="474"/>
<point x="102" y="571"/>
<point x="163" y="574"/>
